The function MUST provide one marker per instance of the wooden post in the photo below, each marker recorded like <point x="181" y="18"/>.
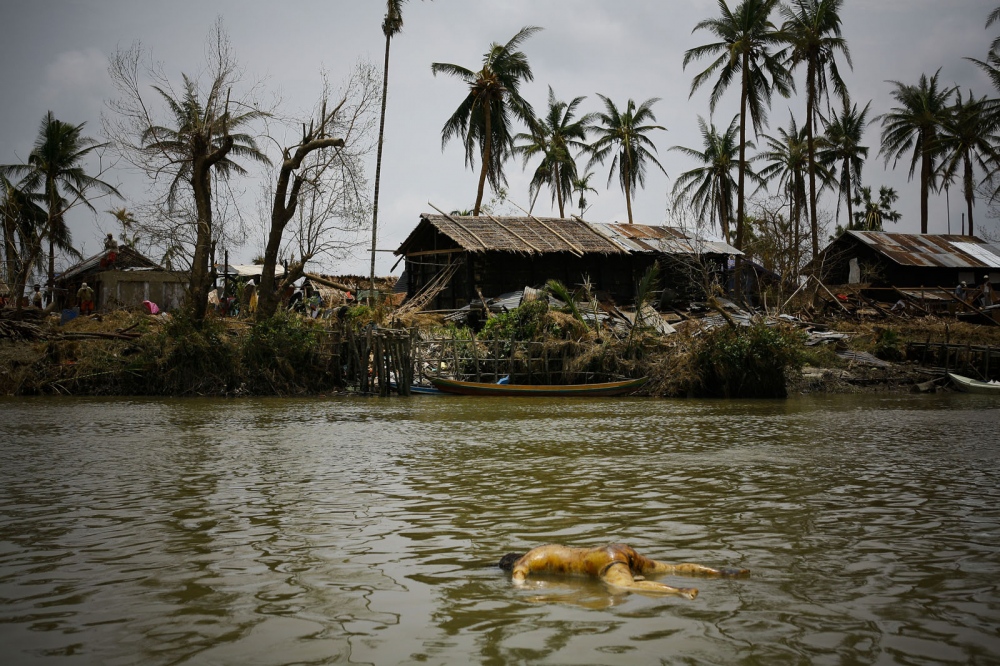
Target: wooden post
<point x="475" y="358"/>
<point x="530" y="349"/>
<point x="510" y="361"/>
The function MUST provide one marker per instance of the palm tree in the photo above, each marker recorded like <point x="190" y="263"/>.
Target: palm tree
<point x="201" y="142"/>
<point x="991" y="67"/>
<point x="392" y="25"/>
<point x="23" y="220"/>
<point x="786" y="157"/>
<point x="812" y="29"/>
<point x="746" y="39"/>
<point x="581" y="185"/>
<point x="992" y="108"/>
<point x="625" y="134"/>
<point x="842" y="144"/>
<point x="968" y="137"/>
<point x="915" y="123"/>
<point x="482" y="120"/>
<point x="990" y="20"/>
<point x="55" y="169"/>
<point x="874" y="213"/>
<point x="711" y="187"/>
<point x="552" y="138"/>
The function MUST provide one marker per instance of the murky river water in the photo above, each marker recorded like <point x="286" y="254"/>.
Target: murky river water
<point x="356" y="530"/>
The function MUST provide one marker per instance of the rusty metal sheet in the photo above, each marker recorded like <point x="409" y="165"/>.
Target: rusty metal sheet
<point x="945" y="251"/>
<point x="660" y="239"/>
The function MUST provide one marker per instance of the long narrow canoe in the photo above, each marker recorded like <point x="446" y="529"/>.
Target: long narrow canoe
<point x="969" y="385"/>
<point x="538" y="390"/>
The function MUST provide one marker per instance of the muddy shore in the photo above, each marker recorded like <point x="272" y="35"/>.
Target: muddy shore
<point x="49" y="358"/>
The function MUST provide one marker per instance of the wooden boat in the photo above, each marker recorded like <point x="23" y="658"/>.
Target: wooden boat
<point x="969" y="385"/>
<point x="417" y="389"/>
<point x="538" y="390"/>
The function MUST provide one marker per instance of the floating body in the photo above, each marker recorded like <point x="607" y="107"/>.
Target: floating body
<point x="617" y="564"/>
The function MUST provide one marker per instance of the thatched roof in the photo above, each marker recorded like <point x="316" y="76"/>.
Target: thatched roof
<point x="544" y="235"/>
<point x="527" y="235"/>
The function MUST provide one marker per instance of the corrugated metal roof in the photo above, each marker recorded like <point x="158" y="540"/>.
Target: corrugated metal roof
<point x="943" y="251"/>
<point x="127" y="257"/>
<point x="248" y="270"/>
<point x="660" y="239"/>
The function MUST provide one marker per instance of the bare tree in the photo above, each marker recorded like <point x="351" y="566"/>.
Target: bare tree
<point x="773" y="244"/>
<point x="196" y="148"/>
<point x="321" y="184"/>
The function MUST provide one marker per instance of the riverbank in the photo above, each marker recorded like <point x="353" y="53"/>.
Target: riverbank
<point x="128" y="353"/>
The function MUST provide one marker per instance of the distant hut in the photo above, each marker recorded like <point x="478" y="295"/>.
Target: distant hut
<point x="460" y="256"/>
<point x="125" y="282"/>
<point x="882" y="259"/>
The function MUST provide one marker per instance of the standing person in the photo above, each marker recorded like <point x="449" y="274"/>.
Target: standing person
<point x="960" y="291"/>
<point x="85" y="296"/>
<point x="249" y="303"/>
<point x="987" y="292"/>
<point x="36" y="297"/>
<point x="314" y="302"/>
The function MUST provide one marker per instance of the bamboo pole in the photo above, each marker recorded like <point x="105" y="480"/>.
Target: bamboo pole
<point x="475" y="358"/>
<point x="460" y="225"/>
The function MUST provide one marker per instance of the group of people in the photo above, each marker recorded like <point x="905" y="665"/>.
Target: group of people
<point x="983" y="297"/>
<point x="84" y="297"/>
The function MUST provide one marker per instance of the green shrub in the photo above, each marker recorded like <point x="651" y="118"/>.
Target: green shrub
<point x="747" y="362"/>
<point x="888" y="345"/>
<point x="279" y="351"/>
<point x="525" y="322"/>
<point x="193" y="358"/>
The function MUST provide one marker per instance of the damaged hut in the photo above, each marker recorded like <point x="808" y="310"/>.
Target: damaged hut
<point x="450" y="259"/>
<point x="122" y="279"/>
<point x="883" y="259"/>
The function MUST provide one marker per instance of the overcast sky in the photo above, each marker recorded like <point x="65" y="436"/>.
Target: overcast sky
<point x="54" y="56"/>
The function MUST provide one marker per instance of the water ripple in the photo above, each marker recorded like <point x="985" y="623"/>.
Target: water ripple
<point x="325" y="531"/>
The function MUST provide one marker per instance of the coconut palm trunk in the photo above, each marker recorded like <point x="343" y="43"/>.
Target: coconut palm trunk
<point x="811" y="148"/>
<point x="378" y="159"/>
<point x="559" y="194"/>
<point x="925" y="181"/>
<point x="199" y="285"/>
<point x="487" y="155"/>
<point x="970" y="192"/>
<point x="850" y="190"/>
<point x="741" y="182"/>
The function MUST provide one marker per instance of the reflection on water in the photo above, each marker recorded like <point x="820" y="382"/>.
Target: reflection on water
<point x="363" y="531"/>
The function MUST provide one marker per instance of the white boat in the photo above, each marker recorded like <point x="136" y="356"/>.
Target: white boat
<point x="969" y="385"/>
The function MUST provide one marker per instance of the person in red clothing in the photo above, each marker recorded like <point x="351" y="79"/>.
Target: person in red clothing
<point x="85" y="296"/>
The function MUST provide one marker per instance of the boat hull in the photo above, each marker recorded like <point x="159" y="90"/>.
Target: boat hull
<point x="968" y="385"/>
<point x="538" y="390"/>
